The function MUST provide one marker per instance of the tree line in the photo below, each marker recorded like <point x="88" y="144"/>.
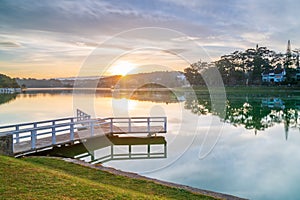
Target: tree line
<point x="7" y="82"/>
<point x="246" y="67"/>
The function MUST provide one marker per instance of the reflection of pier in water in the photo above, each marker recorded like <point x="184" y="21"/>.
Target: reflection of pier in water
<point x="104" y="149"/>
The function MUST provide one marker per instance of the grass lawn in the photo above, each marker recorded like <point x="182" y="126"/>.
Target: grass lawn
<point x="49" y="178"/>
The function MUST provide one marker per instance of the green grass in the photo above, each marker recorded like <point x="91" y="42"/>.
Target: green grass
<point x="48" y="178"/>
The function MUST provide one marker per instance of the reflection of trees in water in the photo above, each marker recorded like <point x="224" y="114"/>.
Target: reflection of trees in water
<point x="251" y="111"/>
<point x="155" y="96"/>
<point x="5" y="98"/>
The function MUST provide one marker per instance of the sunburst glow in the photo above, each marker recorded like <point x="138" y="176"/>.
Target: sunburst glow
<point x="121" y="68"/>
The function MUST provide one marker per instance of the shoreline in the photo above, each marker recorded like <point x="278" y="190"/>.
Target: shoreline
<point x="140" y="177"/>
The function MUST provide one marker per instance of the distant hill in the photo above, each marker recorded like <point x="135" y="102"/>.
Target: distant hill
<point x="143" y="80"/>
<point x="7" y="82"/>
<point x="40" y="83"/>
<point x="153" y="79"/>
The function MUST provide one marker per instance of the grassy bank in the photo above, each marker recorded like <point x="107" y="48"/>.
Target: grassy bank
<point x="48" y="178"/>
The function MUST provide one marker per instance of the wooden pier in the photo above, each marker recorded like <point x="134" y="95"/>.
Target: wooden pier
<point x="27" y="138"/>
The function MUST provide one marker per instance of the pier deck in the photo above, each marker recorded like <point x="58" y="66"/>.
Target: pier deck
<point x="31" y="137"/>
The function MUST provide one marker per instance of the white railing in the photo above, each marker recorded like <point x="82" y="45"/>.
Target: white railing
<point x="31" y="125"/>
<point x="129" y="155"/>
<point x="82" y="116"/>
<point x="128" y="124"/>
<point x="65" y="128"/>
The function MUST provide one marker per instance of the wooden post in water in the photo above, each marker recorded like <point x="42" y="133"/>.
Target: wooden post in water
<point x="129" y="149"/>
<point x="148" y="149"/>
<point x="112" y="151"/>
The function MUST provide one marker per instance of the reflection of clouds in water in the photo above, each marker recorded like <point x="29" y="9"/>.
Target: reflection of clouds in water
<point x="174" y="120"/>
<point x="157" y="111"/>
<point x="260" y="167"/>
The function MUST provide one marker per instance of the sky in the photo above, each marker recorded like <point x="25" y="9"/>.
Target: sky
<point x="64" y="38"/>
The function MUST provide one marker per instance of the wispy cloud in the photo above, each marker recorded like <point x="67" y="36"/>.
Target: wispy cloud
<point x="63" y="31"/>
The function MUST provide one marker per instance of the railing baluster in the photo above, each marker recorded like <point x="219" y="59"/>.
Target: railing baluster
<point x="165" y="124"/>
<point x="92" y="128"/>
<point x="111" y="125"/>
<point x="129" y="125"/>
<point x="148" y="150"/>
<point x="53" y="135"/>
<point x="17" y="134"/>
<point x="72" y="130"/>
<point x="148" y="124"/>
<point x="112" y="151"/>
<point x="129" y="149"/>
<point x="33" y="139"/>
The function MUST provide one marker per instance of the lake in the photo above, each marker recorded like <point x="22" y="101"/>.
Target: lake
<point x="250" y="150"/>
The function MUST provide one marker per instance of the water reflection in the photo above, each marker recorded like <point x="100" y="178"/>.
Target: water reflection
<point x="159" y="95"/>
<point x="104" y="149"/>
<point x="255" y="112"/>
<point x="6" y="98"/>
<point x="264" y="166"/>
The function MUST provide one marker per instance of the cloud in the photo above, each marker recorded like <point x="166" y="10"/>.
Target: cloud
<point x="66" y="29"/>
<point x="9" y="44"/>
<point x="185" y="38"/>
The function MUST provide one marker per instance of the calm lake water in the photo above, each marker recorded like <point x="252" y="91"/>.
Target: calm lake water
<point x="251" y="151"/>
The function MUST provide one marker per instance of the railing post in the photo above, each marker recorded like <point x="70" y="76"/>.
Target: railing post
<point x="112" y="151"/>
<point x="33" y="139"/>
<point x="148" y="124"/>
<point x="92" y="128"/>
<point x="129" y="149"/>
<point x="165" y="124"/>
<point x="17" y="134"/>
<point x="53" y="135"/>
<point x="148" y="150"/>
<point x="72" y="130"/>
<point x="111" y="125"/>
<point x="165" y="149"/>
<point x="129" y="125"/>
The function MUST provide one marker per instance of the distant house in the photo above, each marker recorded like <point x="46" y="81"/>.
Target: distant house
<point x="9" y="90"/>
<point x="182" y="79"/>
<point x="274" y="76"/>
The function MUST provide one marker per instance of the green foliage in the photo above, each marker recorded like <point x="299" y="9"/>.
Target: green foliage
<point x="193" y="73"/>
<point x="246" y="67"/>
<point x="5" y="98"/>
<point x="7" y="82"/>
<point x="251" y="106"/>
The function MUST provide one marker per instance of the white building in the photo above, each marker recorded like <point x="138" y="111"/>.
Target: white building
<point x="274" y="76"/>
<point x="9" y="90"/>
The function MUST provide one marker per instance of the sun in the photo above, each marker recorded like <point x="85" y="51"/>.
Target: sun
<point x="121" y="68"/>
